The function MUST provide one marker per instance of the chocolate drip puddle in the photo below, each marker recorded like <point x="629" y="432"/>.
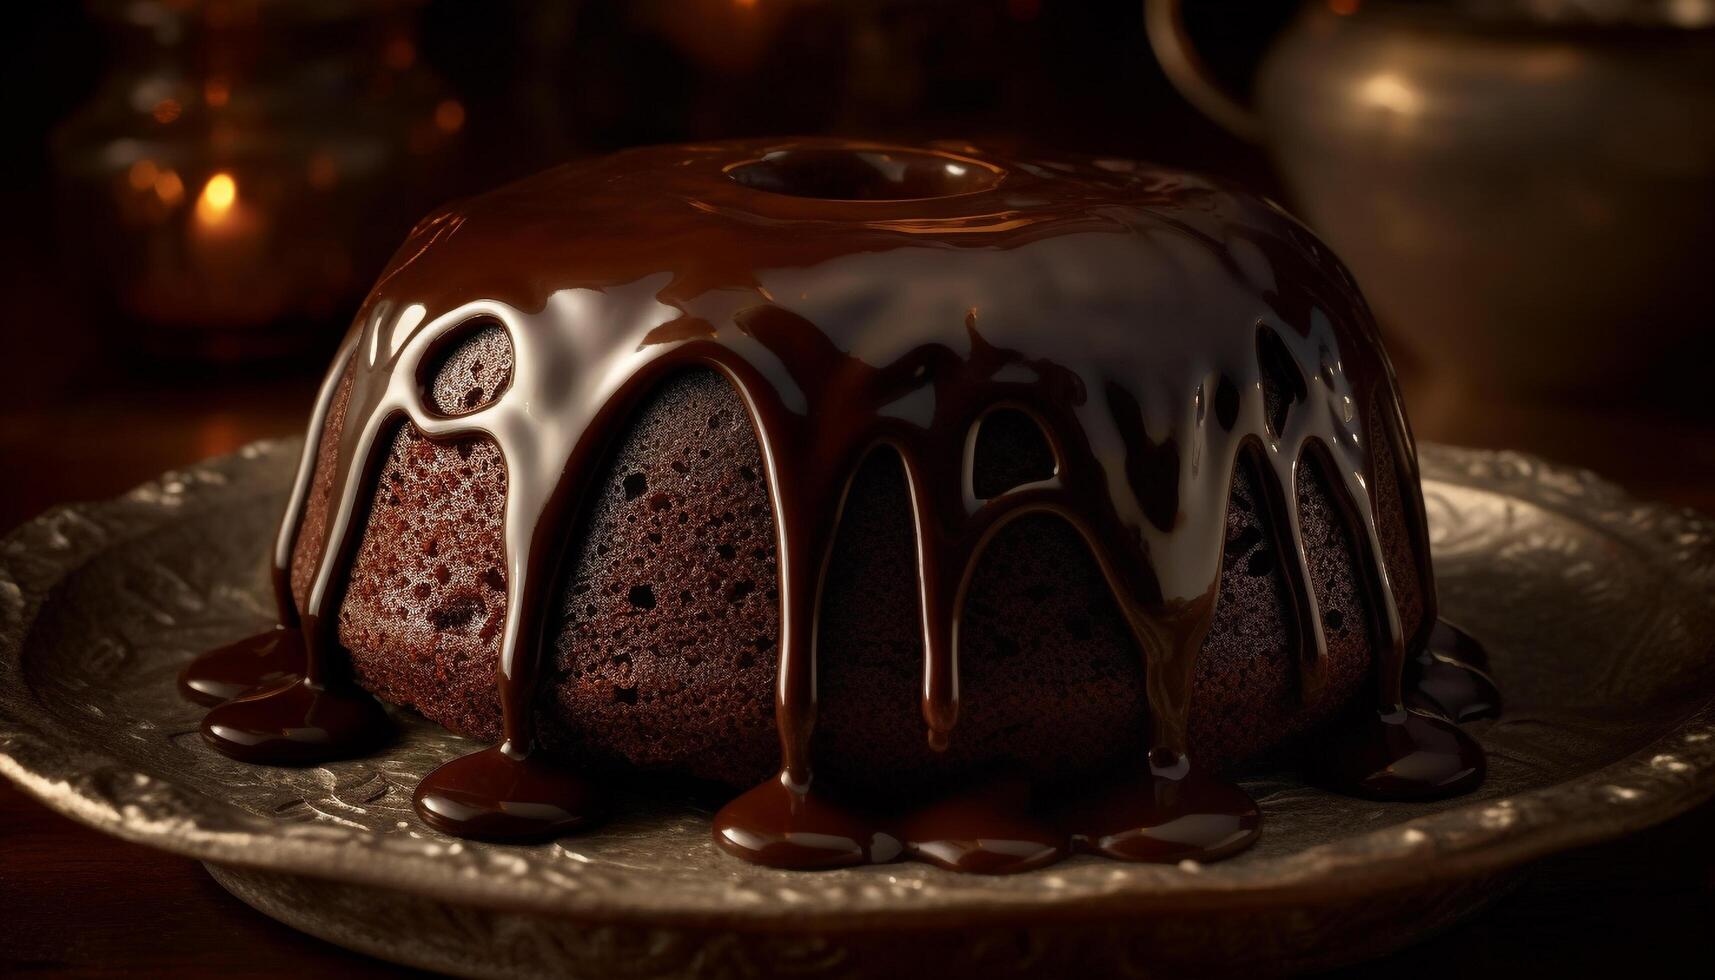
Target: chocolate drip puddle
<point x="876" y="299"/>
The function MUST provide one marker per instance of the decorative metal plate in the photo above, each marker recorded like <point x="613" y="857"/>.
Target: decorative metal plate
<point x="1595" y="607"/>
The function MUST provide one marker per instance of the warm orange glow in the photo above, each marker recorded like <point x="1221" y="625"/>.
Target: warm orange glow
<point x="323" y="171"/>
<point x="744" y="3"/>
<point x="217" y="198"/>
<point x="169" y="188"/>
<point x="399" y="54"/>
<point x="142" y="175"/>
<point x="449" y="116"/>
<point x="1394" y="93"/>
<point x="217" y="435"/>
<point x="166" y="111"/>
<point x="1344" y="8"/>
<point x="216" y="92"/>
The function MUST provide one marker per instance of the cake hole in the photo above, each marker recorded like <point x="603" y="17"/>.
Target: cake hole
<point x="1244" y="541"/>
<point x="879" y="174"/>
<point x="634" y="484"/>
<point x="1282" y="382"/>
<point x="642" y="596"/>
<point x="1260" y="564"/>
<point x="455" y="613"/>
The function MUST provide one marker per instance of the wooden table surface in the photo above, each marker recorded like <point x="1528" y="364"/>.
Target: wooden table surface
<point x="74" y="900"/>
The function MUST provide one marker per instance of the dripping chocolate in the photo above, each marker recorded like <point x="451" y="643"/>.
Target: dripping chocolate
<point x="1162" y="332"/>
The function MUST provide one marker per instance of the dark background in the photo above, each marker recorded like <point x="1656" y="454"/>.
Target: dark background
<point x="542" y="83"/>
<point x="84" y="414"/>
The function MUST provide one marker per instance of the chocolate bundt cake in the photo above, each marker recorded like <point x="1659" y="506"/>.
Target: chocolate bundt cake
<point x="969" y="508"/>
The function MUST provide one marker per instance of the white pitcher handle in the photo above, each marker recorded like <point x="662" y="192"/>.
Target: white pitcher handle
<point x="1164" y="20"/>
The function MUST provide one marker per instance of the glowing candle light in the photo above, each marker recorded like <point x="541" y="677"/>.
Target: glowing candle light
<point x="217" y="198"/>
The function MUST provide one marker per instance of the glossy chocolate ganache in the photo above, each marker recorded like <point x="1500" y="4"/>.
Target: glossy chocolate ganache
<point x="1163" y="332"/>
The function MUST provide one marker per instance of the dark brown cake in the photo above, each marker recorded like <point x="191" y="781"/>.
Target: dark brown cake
<point x="668" y="627"/>
<point x="781" y="452"/>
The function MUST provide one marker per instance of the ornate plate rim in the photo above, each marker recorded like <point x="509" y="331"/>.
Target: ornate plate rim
<point x="1639" y="790"/>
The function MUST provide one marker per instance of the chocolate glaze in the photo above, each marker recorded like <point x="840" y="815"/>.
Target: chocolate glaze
<point x="866" y="298"/>
<point x="1449" y="677"/>
<point x="296" y="723"/>
<point x="1171" y="813"/>
<point x="264" y="660"/>
<point x="989" y="829"/>
<point x="1399" y="754"/>
<point x="497" y="794"/>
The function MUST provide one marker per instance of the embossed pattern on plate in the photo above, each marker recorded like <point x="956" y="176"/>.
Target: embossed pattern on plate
<point x="1595" y="608"/>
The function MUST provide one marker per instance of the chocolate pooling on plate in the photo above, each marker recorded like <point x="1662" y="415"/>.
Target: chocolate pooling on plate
<point x="1160" y="330"/>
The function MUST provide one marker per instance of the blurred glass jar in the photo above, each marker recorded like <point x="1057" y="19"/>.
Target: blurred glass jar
<point x="1525" y="189"/>
<point x="245" y="168"/>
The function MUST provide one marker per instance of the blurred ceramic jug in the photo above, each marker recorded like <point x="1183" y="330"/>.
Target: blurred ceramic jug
<point x="1525" y="189"/>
